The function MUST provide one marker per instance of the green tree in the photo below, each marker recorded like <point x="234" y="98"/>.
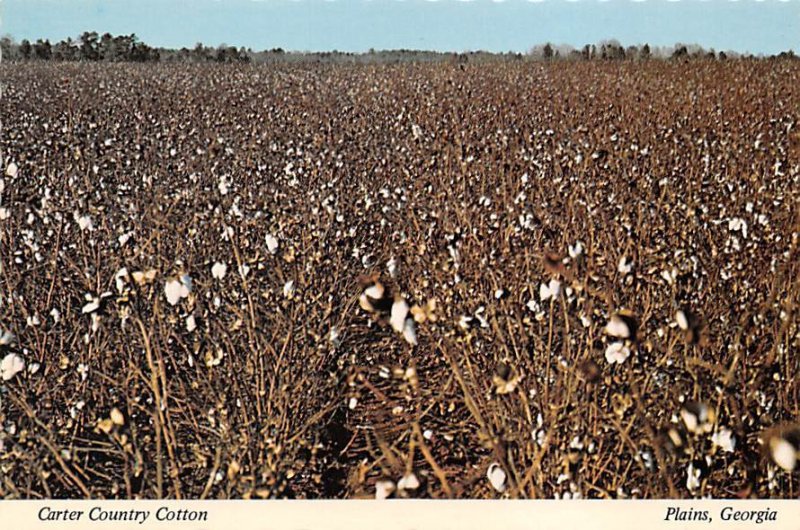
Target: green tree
<point x="547" y="52"/>
<point x="89" y="47"/>
<point x="42" y="50"/>
<point x="25" y="49"/>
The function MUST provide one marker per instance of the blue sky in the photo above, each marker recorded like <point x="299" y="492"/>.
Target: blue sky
<point x="766" y="26"/>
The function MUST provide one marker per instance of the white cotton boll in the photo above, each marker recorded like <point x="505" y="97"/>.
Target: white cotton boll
<point x="383" y="489"/>
<point x="391" y="266"/>
<point x="408" y="482"/>
<point x="175" y="290"/>
<point x="219" y="270"/>
<point x="272" y="244"/>
<point x="724" y="439"/>
<point x="497" y="477"/>
<point x="92" y="306"/>
<point x="399" y="313"/>
<point x="223" y="186"/>
<point x="12" y="170"/>
<point x="783" y="454"/>
<point x="617" y="327"/>
<point x="191" y="323"/>
<point x="617" y="352"/>
<point x="464" y="322"/>
<point x="4" y="214"/>
<point x="119" y="279"/>
<point x="288" y="289"/>
<point x="551" y="290"/>
<point x="334" y="337"/>
<point x="410" y="332"/>
<point x="624" y="266"/>
<point x="6" y="337"/>
<point x="83" y="371"/>
<point x="84" y="222"/>
<point x="692" y="478"/>
<point x="352" y="403"/>
<point x="11" y="365"/>
<point x="738" y="224"/>
<point x="683" y="322"/>
<point x="575" y="250"/>
<point x="375" y="291"/>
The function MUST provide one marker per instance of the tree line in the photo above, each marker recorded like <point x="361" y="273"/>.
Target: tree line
<point x="93" y="47"/>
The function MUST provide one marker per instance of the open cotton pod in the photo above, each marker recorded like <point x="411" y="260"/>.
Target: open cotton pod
<point x="11" y="365"/>
<point x="426" y="312"/>
<point x="693" y="327"/>
<point x="176" y="289"/>
<point x="505" y="379"/>
<point x="374" y="297"/>
<point x="399" y="314"/>
<point x="497" y="477"/>
<point x="698" y="417"/>
<point x="384" y="489"/>
<point x="409" y="482"/>
<point x="673" y="440"/>
<point x="782" y="445"/>
<point x="6" y="337"/>
<point x="622" y="325"/>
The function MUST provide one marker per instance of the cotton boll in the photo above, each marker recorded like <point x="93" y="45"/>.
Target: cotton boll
<point x="408" y="482"/>
<point x="219" y="270"/>
<point x="384" y="489"/>
<point x="410" y="332"/>
<point x="497" y="477"/>
<point x="272" y="244"/>
<point x="11" y="365"/>
<point x="399" y="313"/>
<point x="724" y="439"/>
<point x="617" y="352"/>
<point x="288" y="289"/>
<point x="782" y="452"/>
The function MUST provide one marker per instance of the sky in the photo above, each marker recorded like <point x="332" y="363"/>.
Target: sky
<point x="753" y="26"/>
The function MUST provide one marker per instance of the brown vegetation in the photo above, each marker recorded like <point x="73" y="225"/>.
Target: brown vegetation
<point x="601" y="260"/>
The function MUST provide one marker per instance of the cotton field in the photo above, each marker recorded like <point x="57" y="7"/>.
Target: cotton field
<point x="505" y="280"/>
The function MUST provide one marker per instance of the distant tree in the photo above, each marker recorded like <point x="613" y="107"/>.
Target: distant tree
<point x="586" y="53"/>
<point x="65" y="50"/>
<point x="89" y="47"/>
<point x="547" y="52"/>
<point x="680" y="52"/>
<point x="106" y="48"/>
<point x="201" y="53"/>
<point x="644" y="53"/>
<point x="42" y="50"/>
<point x="9" y="48"/>
<point x="25" y="49"/>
